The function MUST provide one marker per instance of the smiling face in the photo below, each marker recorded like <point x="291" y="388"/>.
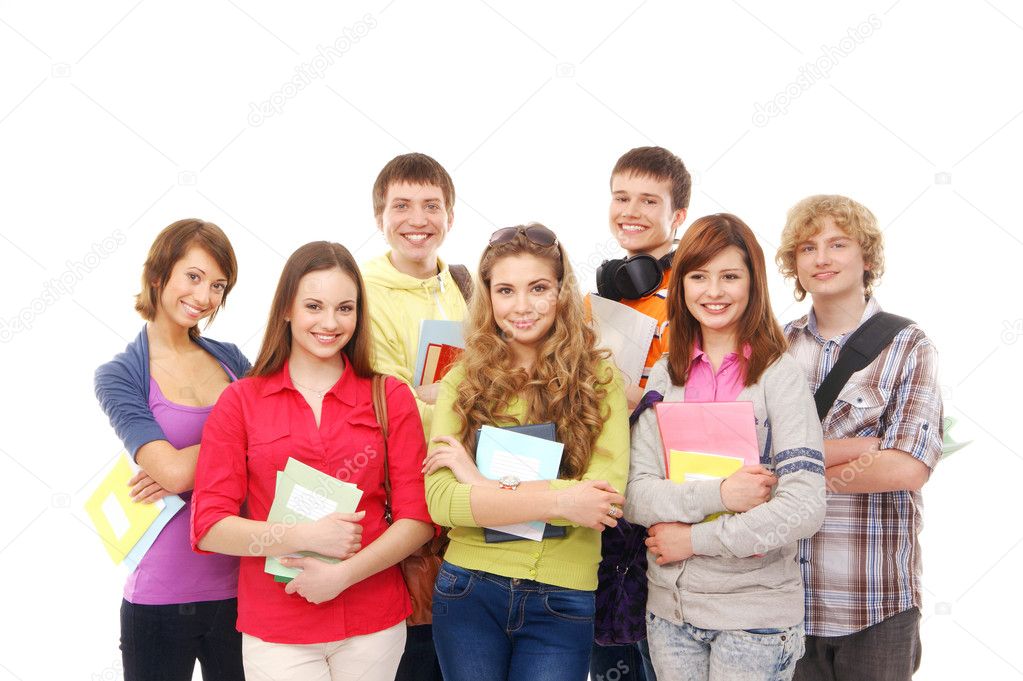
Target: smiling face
<point x="830" y="264"/>
<point x="323" y="315"/>
<point x="415" y="221"/>
<point x="194" y="290"/>
<point x="524" y="296"/>
<point x="717" y="293"/>
<point x="640" y="215"/>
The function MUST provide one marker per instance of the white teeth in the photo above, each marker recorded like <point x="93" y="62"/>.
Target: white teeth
<point x="632" y="228"/>
<point x="193" y="310"/>
<point x="716" y="307"/>
<point x="416" y="237"/>
<point x="325" y="339"/>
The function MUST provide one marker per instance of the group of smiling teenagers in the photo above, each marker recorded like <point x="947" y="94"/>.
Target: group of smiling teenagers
<point x="804" y="565"/>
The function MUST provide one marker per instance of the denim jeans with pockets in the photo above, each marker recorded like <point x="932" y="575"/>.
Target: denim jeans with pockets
<point x="688" y="653"/>
<point x="492" y="628"/>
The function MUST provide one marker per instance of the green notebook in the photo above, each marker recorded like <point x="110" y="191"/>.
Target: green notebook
<point x="303" y="495"/>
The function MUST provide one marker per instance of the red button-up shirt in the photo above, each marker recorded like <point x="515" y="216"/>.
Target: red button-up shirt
<point x="255" y="426"/>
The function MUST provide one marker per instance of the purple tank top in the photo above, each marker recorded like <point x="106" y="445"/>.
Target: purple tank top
<point x="171" y="572"/>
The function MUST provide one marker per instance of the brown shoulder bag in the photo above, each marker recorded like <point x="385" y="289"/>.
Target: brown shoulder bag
<point x="419" y="569"/>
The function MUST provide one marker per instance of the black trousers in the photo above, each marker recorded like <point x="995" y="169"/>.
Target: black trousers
<point x="419" y="662"/>
<point x="621" y="663"/>
<point x="162" y="642"/>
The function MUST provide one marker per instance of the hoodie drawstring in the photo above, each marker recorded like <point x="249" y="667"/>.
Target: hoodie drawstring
<point x="436" y="296"/>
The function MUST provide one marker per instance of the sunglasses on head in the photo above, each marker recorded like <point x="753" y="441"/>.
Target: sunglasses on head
<point x="537" y="234"/>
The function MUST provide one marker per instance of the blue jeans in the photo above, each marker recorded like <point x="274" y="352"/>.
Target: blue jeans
<point x="688" y="653"/>
<point x="492" y="628"/>
<point x="621" y="663"/>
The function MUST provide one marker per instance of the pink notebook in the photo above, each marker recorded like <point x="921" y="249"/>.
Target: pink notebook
<point x="721" y="428"/>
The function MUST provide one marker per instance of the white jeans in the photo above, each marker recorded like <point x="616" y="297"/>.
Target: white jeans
<point x="373" y="657"/>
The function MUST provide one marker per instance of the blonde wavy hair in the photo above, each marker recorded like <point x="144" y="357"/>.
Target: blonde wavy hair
<point x="806" y="219"/>
<point x="566" y="384"/>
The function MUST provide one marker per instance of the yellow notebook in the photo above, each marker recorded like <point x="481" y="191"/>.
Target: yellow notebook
<point x="690" y="466"/>
<point x="119" y="521"/>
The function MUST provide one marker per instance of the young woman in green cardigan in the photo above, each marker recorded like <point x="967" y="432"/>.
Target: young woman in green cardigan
<point x="524" y="609"/>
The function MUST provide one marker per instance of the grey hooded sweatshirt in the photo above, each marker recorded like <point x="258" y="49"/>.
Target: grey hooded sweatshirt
<point x="745" y="573"/>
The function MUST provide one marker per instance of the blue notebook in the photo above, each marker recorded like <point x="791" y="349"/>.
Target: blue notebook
<point x="545" y="431"/>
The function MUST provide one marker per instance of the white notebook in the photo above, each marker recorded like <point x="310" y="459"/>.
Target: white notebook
<point x="626" y="333"/>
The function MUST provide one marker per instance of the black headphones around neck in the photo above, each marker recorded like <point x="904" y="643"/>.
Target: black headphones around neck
<point x="632" y="278"/>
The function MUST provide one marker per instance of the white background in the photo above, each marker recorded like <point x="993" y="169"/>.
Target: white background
<point x="118" y="118"/>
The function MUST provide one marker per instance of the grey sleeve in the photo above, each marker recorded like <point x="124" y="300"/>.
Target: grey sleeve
<point x="797" y="509"/>
<point x="649" y="497"/>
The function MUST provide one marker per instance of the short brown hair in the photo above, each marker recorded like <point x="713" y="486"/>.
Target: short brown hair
<point x="806" y="219"/>
<point x="704" y="239"/>
<point x="170" y="246"/>
<point x="316" y="256"/>
<point x="660" y="164"/>
<point x="413" y="168"/>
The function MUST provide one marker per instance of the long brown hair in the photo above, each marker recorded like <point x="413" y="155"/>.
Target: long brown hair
<point x="313" y="257"/>
<point x="704" y="239"/>
<point x="168" y="248"/>
<point x="566" y="384"/>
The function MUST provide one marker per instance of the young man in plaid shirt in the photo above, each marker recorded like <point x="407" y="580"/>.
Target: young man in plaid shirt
<point x="883" y="437"/>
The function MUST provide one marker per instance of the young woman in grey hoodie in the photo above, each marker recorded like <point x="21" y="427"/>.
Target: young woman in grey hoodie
<point x="726" y="595"/>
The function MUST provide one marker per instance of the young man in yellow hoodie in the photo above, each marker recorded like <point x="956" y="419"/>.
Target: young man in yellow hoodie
<point x="413" y="201"/>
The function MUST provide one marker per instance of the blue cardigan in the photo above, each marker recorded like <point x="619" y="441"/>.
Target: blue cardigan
<point x="122" y="388"/>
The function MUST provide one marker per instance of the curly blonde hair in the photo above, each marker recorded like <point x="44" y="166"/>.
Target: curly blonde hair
<point x="806" y="219"/>
<point x="566" y="384"/>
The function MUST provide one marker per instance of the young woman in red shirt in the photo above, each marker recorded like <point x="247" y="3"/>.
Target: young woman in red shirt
<point x="309" y="397"/>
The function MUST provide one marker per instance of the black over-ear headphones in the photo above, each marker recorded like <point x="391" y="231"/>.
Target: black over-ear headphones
<point x="631" y="278"/>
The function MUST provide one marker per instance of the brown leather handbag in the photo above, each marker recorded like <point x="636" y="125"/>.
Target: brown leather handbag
<point x="419" y="569"/>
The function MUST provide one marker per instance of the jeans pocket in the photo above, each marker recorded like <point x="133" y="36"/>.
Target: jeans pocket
<point x="453" y="581"/>
<point x="774" y="649"/>
<point x="572" y="605"/>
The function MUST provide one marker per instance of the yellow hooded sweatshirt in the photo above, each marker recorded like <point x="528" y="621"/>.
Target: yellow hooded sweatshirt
<point x="398" y="302"/>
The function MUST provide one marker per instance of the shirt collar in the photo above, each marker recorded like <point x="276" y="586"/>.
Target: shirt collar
<point x="810" y="321"/>
<point x="343" y="390"/>
<point x="698" y="353"/>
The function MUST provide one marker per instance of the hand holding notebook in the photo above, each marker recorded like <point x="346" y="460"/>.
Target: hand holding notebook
<point x="304" y="494"/>
<point x="706" y="440"/>
<point x="532" y="456"/>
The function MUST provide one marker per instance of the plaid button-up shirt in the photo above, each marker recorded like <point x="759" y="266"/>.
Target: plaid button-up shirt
<point x="863" y="566"/>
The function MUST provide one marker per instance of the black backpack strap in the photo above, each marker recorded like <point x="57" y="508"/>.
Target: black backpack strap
<point x="460" y="273"/>
<point x="862" y="348"/>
